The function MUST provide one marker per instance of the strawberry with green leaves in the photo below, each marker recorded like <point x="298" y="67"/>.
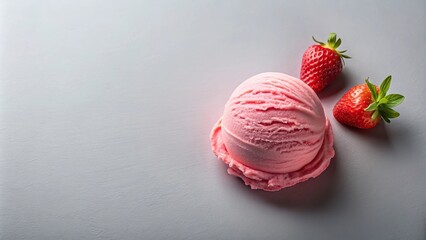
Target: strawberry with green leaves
<point x="322" y="62"/>
<point x="364" y="105"/>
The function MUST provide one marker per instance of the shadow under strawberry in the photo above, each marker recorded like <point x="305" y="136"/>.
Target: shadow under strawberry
<point x="395" y="138"/>
<point x="378" y="136"/>
<point x="342" y="81"/>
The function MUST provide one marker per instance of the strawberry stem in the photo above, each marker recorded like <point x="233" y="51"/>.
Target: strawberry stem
<point x="333" y="43"/>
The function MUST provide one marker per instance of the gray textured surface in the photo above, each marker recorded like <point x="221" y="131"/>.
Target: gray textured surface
<point x="106" y="108"/>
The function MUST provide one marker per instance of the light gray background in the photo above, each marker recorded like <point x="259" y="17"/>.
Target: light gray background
<point x="106" y="109"/>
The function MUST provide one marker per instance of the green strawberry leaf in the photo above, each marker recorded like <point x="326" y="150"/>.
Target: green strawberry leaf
<point x="333" y="43"/>
<point x="383" y="100"/>
<point x="372" y="107"/>
<point x="382" y="104"/>
<point x="375" y="115"/>
<point x="386" y="119"/>
<point x="372" y="88"/>
<point x="338" y="42"/>
<point x="320" y="43"/>
<point x="384" y="87"/>
<point x="388" y="112"/>
<point x="394" y="100"/>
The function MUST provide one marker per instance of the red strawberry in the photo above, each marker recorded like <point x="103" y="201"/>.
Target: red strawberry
<point x="363" y="105"/>
<point x="322" y="62"/>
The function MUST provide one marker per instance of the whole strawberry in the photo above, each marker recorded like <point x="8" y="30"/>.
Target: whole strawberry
<point x="364" y="105"/>
<point x="322" y="62"/>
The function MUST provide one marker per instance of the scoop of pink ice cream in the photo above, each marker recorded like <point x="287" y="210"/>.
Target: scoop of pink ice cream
<point x="273" y="132"/>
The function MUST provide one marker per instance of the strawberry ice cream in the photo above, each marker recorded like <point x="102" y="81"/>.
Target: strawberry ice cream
<point x="273" y="132"/>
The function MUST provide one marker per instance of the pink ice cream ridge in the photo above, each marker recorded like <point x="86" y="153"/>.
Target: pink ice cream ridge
<point x="273" y="133"/>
